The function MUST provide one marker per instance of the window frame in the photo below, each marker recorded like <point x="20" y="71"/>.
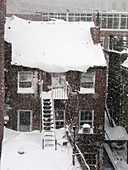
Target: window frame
<point x="86" y="121"/>
<point x="57" y="85"/>
<point x="59" y="120"/>
<point x="25" y="89"/>
<point x="88" y="90"/>
<point x="18" y="123"/>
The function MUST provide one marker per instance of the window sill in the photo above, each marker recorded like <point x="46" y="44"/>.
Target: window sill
<point x="25" y="90"/>
<point x="82" y="132"/>
<point x="87" y="91"/>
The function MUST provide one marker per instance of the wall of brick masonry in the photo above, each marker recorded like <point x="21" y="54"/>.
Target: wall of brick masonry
<point x="15" y="101"/>
<point x="1" y="69"/>
<point x="92" y="143"/>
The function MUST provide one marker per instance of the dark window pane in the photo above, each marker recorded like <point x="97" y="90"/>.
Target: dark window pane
<point x="59" y="125"/>
<point x="123" y="23"/>
<point x="110" y="23"/>
<point x="24" y="118"/>
<point x="116" y="23"/>
<point x="104" y="22"/>
<point x="25" y="84"/>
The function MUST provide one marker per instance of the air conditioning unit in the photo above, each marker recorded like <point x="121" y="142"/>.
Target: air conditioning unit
<point x="86" y="128"/>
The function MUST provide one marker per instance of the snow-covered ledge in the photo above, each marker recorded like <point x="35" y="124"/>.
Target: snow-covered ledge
<point x="87" y="90"/>
<point x="25" y="90"/>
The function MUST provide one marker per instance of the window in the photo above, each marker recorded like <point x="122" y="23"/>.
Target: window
<point x="25" y="82"/>
<point x="91" y="159"/>
<point x="59" y="118"/>
<point x="87" y="82"/>
<point x="24" y="120"/>
<point x="58" y="80"/>
<point x="86" y="118"/>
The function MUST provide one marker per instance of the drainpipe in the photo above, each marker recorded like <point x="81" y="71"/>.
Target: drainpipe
<point x="40" y="93"/>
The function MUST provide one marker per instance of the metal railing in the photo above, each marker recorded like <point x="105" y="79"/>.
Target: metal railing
<point x="84" y="165"/>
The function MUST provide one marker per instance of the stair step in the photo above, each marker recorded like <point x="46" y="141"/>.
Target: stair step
<point x="49" y="135"/>
<point x="47" y="114"/>
<point x="44" y="122"/>
<point x="47" y="131"/>
<point x="49" y="140"/>
<point x="47" y="110"/>
<point x="45" y="126"/>
<point x="46" y="100"/>
<point x="49" y="145"/>
<point x="47" y="119"/>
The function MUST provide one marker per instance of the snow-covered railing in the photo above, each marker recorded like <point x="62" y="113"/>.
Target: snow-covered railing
<point x="114" y="151"/>
<point x="78" y="150"/>
<point x="60" y="92"/>
<point x="111" y="156"/>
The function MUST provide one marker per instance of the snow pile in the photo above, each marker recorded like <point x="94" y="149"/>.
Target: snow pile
<point x="115" y="133"/>
<point x="23" y="151"/>
<point x="125" y="64"/>
<point x="122" y="165"/>
<point x="54" y="46"/>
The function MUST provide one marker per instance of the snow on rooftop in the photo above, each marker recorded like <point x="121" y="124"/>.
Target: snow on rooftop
<point x="34" y="157"/>
<point x="125" y="63"/>
<point x="54" y="46"/>
<point x="115" y="133"/>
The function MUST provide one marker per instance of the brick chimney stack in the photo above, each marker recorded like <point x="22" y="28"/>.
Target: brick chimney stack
<point x="2" y="15"/>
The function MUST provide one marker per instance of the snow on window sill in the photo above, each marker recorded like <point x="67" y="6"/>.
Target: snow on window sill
<point x="25" y="90"/>
<point x="82" y="132"/>
<point x="87" y="90"/>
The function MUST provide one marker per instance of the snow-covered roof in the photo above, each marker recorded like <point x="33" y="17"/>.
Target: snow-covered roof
<point x="54" y="46"/>
<point x="115" y="133"/>
<point x="124" y="52"/>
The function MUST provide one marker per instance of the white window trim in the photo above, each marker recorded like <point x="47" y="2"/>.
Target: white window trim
<point x="88" y="90"/>
<point x="80" y="129"/>
<point x="18" y="123"/>
<point x="25" y="90"/>
<point x="60" y="120"/>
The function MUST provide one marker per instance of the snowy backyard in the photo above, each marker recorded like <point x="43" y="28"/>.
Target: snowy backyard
<point x="34" y="157"/>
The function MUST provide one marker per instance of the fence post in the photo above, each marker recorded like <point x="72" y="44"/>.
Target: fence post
<point x="43" y="144"/>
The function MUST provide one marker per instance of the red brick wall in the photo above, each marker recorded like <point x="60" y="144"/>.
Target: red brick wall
<point x="16" y="101"/>
<point x="88" y="142"/>
<point x="1" y="69"/>
<point x="95" y="32"/>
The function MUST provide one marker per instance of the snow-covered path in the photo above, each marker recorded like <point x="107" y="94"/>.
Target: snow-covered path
<point x="34" y="158"/>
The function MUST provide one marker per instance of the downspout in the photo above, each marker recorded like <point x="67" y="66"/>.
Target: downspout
<point x="40" y="93"/>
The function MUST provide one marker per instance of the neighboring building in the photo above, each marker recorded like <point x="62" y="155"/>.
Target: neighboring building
<point x="117" y="80"/>
<point x="56" y="77"/>
<point x="62" y="6"/>
<point x="2" y="14"/>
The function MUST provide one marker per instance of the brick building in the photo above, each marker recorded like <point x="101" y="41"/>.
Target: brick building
<point x="117" y="80"/>
<point x="41" y="96"/>
<point x="2" y="14"/>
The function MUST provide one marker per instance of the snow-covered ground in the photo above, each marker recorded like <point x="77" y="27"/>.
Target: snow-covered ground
<point x="34" y="157"/>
